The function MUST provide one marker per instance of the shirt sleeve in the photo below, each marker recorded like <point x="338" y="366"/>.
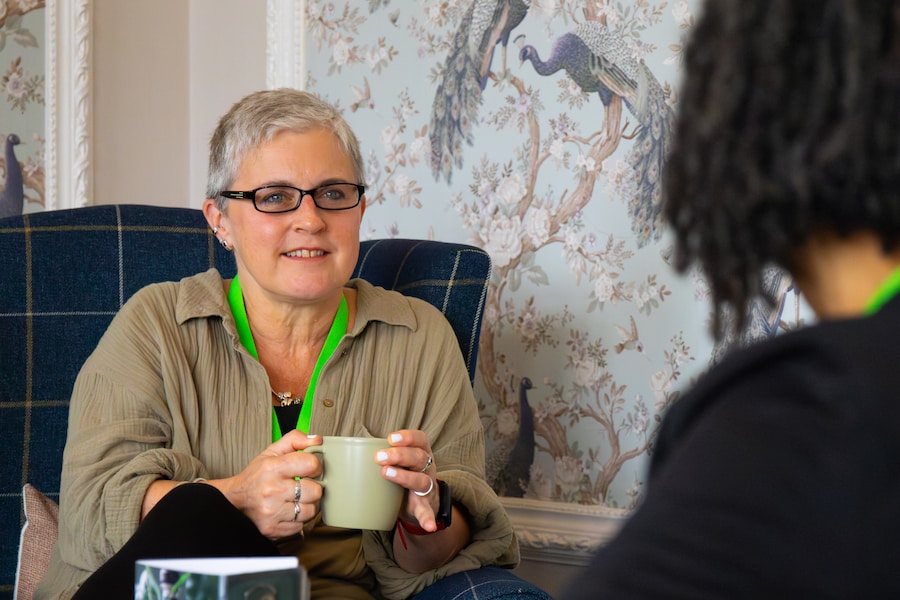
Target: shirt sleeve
<point x="120" y="432"/>
<point x="454" y="430"/>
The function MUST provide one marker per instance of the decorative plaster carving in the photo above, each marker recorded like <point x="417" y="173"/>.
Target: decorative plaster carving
<point x="286" y="44"/>
<point x="559" y="532"/>
<point x="67" y="160"/>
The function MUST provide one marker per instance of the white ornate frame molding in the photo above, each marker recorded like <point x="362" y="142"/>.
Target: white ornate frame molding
<point x="68" y="174"/>
<point x="286" y="44"/>
<point x="548" y="531"/>
<point x="559" y="532"/>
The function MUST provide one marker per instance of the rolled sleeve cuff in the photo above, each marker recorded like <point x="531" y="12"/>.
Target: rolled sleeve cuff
<point x="493" y="541"/>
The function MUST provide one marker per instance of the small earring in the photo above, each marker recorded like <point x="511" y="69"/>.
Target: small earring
<point x="215" y="230"/>
<point x="225" y="245"/>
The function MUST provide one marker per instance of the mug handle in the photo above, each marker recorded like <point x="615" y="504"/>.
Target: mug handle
<point x="319" y="449"/>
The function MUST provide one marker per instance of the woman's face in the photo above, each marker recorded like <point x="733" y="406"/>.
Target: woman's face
<point x="305" y="255"/>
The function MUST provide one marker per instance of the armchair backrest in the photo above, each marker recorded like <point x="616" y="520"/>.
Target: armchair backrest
<point x="64" y="275"/>
<point x="452" y="277"/>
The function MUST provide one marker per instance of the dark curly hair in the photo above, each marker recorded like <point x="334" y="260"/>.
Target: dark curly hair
<point x="789" y="124"/>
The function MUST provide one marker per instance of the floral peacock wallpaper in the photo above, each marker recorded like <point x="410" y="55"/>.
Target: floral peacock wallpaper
<point x="22" y="79"/>
<point x="538" y="130"/>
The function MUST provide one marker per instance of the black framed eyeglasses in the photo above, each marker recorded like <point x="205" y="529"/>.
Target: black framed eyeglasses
<point x="284" y="198"/>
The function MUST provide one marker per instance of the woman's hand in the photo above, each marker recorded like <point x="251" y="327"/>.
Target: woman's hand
<point x="410" y="463"/>
<point x="266" y="489"/>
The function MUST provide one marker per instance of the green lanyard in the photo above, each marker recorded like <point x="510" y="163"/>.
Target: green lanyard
<point x="338" y="329"/>
<point x="889" y="288"/>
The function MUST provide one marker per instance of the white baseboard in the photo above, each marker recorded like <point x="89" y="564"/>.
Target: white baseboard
<point x="562" y="533"/>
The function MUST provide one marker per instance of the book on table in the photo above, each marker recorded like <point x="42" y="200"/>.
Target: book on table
<point x="250" y="578"/>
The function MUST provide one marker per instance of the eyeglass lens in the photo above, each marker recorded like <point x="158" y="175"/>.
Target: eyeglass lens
<point x="336" y="196"/>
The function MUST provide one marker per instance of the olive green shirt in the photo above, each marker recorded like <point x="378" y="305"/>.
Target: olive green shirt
<point x="171" y="393"/>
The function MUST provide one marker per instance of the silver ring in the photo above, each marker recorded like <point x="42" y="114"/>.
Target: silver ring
<point x="428" y="491"/>
<point x="296" y="500"/>
<point x="427" y="464"/>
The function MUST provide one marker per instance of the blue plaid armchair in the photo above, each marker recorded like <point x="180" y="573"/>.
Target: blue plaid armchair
<point x="64" y="274"/>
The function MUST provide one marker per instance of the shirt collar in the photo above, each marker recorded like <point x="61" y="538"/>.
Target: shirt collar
<point x="203" y="295"/>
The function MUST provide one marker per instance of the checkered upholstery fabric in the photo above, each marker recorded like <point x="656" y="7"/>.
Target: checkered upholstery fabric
<point x="487" y="583"/>
<point x="64" y="274"/>
<point x="452" y="277"/>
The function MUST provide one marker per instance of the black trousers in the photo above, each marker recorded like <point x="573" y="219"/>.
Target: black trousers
<point x="192" y="521"/>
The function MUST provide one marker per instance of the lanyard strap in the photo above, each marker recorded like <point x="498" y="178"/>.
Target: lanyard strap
<point x="337" y="331"/>
<point x="889" y="288"/>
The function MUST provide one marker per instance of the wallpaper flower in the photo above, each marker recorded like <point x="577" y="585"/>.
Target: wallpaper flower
<point x="537" y="130"/>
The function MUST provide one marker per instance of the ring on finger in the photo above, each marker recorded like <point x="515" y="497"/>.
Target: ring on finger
<point x="296" y="500"/>
<point x="427" y="464"/>
<point x="428" y="491"/>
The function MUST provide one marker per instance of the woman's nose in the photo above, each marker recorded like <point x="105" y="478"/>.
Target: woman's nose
<point x="308" y="216"/>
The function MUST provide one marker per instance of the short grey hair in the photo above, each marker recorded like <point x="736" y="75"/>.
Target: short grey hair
<point x="259" y="117"/>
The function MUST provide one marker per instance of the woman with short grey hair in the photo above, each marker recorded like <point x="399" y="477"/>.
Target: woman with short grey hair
<point x="185" y="423"/>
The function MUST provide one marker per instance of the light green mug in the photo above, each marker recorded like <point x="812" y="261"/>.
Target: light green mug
<point x="354" y="493"/>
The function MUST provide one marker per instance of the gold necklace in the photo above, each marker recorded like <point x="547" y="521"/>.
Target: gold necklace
<point x="286" y="399"/>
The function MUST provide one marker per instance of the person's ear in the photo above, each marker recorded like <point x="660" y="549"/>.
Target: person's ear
<point x="216" y="220"/>
<point x="213" y="215"/>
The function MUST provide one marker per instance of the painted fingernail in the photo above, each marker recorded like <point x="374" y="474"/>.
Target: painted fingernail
<point x="390" y="472"/>
<point x="381" y="456"/>
<point x="396" y="437"/>
<point x="311" y="435"/>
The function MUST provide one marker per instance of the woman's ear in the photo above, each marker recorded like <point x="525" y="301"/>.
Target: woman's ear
<point x="218" y="222"/>
<point x="213" y="215"/>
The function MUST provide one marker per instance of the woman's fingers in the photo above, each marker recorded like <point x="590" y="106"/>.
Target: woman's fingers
<point x="409" y="438"/>
<point x="422" y="501"/>
<point x="275" y="490"/>
<point x="285" y="514"/>
<point x="292" y="441"/>
<point x="410" y="462"/>
<point x="303" y="500"/>
<point x="422" y="484"/>
<point x="409" y="449"/>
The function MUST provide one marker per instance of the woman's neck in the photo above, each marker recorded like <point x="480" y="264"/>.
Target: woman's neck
<point x="838" y="275"/>
<point x="288" y="325"/>
<point x="289" y="338"/>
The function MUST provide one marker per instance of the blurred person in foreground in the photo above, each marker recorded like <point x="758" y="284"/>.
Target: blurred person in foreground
<point x="778" y="475"/>
<point x="186" y="421"/>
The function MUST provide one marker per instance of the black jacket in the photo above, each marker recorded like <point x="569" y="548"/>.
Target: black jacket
<point x="777" y="476"/>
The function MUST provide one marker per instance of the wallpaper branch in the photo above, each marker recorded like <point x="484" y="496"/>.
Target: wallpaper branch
<point x="538" y="130"/>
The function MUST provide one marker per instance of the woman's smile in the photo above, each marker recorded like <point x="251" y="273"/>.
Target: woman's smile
<point x="305" y="253"/>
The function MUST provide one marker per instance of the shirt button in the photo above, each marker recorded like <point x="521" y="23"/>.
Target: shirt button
<point x="328" y="402"/>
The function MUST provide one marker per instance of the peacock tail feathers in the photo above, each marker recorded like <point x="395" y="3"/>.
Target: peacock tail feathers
<point x="466" y="70"/>
<point x="646" y="100"/>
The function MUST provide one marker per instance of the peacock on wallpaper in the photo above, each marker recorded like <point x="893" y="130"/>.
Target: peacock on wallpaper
<point x="21" y="106"/>
<point x="537" y="130"/>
